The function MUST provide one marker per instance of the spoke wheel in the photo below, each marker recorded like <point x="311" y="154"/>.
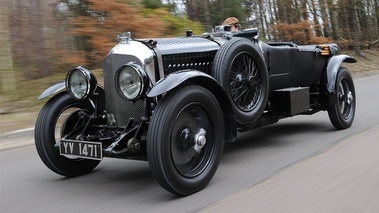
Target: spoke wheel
<point x="245" y="82"/>
<point x="57" y="117"/>
<point x="185" y="140"/>
<point x="342" y="113"/>
<point x="242" y="72"/>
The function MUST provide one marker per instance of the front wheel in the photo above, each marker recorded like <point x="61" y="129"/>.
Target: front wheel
<point x="185" y="140"/>
<point x="58" y="117"/>
<point x="342" y="113"/>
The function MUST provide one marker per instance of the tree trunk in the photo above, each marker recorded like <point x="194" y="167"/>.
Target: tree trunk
<point x="261" y="11"/>
<point x="353" y="23"/>
<point x="193" y="14"/>
<point x="315" y="19"/>
<point x="7" y="74"/>
<point x="343" y="14"/>
<point x="207" y="14"/>
<point x="376" y="2"/>
<point x="272" y="12"/>
<point x="325" y="19"/>
<point x="282" y="12"/>
<point x="333" y="20"/>
<point x="304" y="10"/>
<point x="267" y="24"/>
<point x="305" y="17"/>
<point x="296" y="12"/>
<point x="274" y="2"/>
<point x="290" y="12"/>
<point x="274" y="18"/>
<point x="28" y="40"/>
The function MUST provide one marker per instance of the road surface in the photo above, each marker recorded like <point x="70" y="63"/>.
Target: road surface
<point x="128" y="186"/>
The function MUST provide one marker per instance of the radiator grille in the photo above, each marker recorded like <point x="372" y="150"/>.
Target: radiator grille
<point x="120" y="108"/>
<point x="197" y="61"/>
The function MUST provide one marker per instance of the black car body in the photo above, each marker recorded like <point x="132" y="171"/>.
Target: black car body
<point x="175" y="101"/>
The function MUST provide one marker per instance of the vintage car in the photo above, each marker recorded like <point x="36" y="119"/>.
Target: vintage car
<point x="175" y="101"/>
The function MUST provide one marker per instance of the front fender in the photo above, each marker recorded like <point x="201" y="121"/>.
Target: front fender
<point x="175" y="79"/>
<point x="60" y="86"/>
<point x="332" y="69"/>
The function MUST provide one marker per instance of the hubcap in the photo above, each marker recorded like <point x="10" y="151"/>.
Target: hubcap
<point x="189" y="148"/>
<point x="349" y="97"/>
<point x="346" y="99"/>
<point x="200" y="140"/>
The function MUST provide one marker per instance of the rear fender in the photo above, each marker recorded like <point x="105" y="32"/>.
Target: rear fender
<point x="332" y="70"/>
<point x="178" y="78"/>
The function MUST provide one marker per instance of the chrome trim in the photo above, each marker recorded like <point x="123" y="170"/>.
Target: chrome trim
<point x="90" y="79"/>
<point x="141" y="51"/>
<point x="142" y="76"/>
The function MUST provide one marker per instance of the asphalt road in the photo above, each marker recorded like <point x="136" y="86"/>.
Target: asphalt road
<point x="128" y="186"/>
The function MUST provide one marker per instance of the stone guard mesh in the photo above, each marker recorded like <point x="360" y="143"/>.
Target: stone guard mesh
<point x="120" y="108"/>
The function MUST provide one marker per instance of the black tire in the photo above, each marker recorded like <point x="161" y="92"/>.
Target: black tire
<point x="57" y="117"/>
<point x="342" y="113"/>
<point x="180" y="117"/>
<point x="241" y="70"/>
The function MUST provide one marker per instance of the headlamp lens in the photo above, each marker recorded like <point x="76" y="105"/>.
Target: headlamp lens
<point x="80" y="83"/>
<point x="131" y="80"/>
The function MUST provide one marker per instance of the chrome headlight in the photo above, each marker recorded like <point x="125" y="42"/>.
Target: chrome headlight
<point x="80" y="83"/>
<point x="131" y="82"/>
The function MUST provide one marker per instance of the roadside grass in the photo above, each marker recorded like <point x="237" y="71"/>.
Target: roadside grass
<point x="363" y="66"/>
<point x="19" y="110"/>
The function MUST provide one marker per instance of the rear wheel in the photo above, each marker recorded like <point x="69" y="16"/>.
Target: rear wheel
<point x="58" y="117"/>
<point x="185" y="140"/>
<point x="242" y="72"/>
<point x="342" y="113"/>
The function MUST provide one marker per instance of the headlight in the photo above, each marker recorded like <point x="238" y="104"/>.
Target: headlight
<point x="80" y="83"/>
<point x="131" y="82"/>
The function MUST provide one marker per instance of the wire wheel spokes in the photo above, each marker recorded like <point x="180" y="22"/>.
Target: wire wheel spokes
<point x="245" y="82"/>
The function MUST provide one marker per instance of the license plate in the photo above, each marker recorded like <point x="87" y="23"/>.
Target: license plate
<point x="82" y="149"/>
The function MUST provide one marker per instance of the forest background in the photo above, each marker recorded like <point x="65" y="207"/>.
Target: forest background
<point x="40" y="40"/>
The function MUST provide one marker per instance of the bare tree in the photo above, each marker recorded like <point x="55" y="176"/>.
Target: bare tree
<point x="353" y="24"/>
<point x="7" y="74"/>
<point x="207" y="12"/>
<point x="333" y="19"/>
<point x="324" y="16"/>
<point x="28" y="38"/>
<point x="192" y="9"/>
